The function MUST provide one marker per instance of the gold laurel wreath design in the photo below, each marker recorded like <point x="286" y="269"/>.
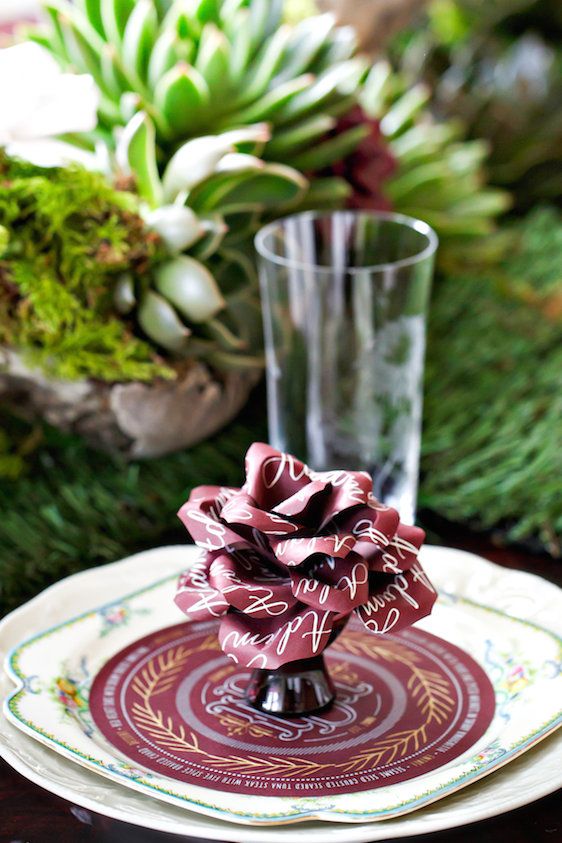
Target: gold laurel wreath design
<point x="158" y="676"/>
<point x="344" y="673"/>
<point x="427" y="688"/>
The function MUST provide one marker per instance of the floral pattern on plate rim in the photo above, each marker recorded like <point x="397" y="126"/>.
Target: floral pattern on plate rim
<point x="307" y="808"/>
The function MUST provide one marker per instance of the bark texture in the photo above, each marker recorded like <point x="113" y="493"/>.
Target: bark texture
<point x="137" y="420"/>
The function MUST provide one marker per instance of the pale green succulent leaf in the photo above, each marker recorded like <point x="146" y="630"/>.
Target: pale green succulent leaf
<point x="239" y="162"/>
<point x="163" y="57"/>
<point x="306" y="41"/>
<point x="401" y="114"/>
<point x="228" y="11"/>
<point x="85" y="53"/>
<point x="214" y="232"/>
<point x="213" y="59"/>
<point x="207" y="11"/>
<point x="129" y="104"/>
<point x="342" y="45"/>
<point x="335" y="84"/>
<point x="209" y="193"/>
<point x="81" y="43"/>
<point x="138" y="38"/>
<point x="186" y="50"/>
<point x="424" y="140"/>
<point x="56" y="36"/>
<point x="161" y="323"/>
<point x="250" y="139"/>
<point x="137" y="148"/>
<point x="241" y="46"/>
<point x="181" y="97"/>
<point x="114" y="80"/>
<point x="226" y="339"/>
<point x="260" y="73"/>
<point x="178" y="226"/>
<point x="485" y="203"/>
<point x="274" y="186"/>
<point x="294" y="138"/>
<point x="379" y="86"/>
<point x="181" y="21"/>
<point x="271" y="103"/>
<point x="124" y="297"/>
<point x="449" y="225"/>
<point x="46" y="39"/>
<point x="325" y="193"/>
<point x="190" y="287"/>
<point x="87" y="46"/>
<point x="334" y="149"/>
<point x="467" y="156"/>
<point x="254" y="133"/>
<point x="194" y="162"/>
<point x="340" y="106"/>
<point x="235" y="362"/>
<point x="108" y="111"/>
<point x="92" y="11"/>
<point x="265" y="19"/>
<point x="162" y="8"/>
<point x="114" y="16"/>
<point x="422" y="178"/>
<point x="441" y="192"/>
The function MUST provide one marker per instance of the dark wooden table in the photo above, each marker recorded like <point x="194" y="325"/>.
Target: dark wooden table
<point x="29" y="814"/>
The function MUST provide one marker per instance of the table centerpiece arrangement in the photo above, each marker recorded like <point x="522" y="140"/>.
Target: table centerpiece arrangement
<point x="205" y="119"/>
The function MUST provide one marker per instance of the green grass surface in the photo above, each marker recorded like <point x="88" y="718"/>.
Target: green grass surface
<point x="493" y="404"/>
<point x="75" y="508"/>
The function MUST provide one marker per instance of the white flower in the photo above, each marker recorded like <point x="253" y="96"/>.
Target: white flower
<point x="38" y="102"/>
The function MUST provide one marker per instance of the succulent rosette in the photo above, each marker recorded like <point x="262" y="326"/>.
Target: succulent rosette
<point x="292" y="554"/>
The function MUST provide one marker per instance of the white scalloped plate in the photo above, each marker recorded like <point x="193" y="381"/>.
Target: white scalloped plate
<point x="452" y="570"/>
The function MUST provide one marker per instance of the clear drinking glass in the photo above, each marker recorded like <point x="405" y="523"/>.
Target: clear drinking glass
<point x="344" y="298"/>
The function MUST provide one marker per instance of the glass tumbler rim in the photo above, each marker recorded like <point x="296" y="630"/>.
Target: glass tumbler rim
<point x="417" y="225"/>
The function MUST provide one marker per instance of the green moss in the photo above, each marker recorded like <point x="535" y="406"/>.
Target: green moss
<point x="68" y="237"/>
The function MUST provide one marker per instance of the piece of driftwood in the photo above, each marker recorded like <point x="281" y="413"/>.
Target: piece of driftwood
<point x="375" y="21"/>
<point x="137" y="420"/>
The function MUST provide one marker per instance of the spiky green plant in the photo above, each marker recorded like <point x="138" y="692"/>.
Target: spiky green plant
<point x="218" y="109"/>
<point x="439" y="177"/>
<point x="179" y="82"/>
<point x="202" y="66"/>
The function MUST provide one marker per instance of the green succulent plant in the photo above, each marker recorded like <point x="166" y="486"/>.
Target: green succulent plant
<point x="224" y="115"/>
<point x="207" y="105"/>
<point x="440" y="176"/>
<point x="199" y="66"/>
<point x="203" y="206"/>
